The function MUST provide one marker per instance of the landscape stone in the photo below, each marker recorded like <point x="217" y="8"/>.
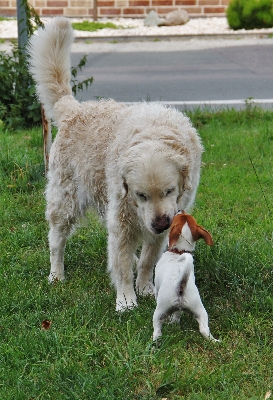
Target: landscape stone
<point x="152" y="19"/>
<point x="177" y="17"/>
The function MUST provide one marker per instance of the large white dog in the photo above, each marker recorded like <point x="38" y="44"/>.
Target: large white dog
<point x="136" y="165"/>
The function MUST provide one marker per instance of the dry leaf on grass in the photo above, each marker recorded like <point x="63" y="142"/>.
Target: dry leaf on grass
<point x="46" y="324"/>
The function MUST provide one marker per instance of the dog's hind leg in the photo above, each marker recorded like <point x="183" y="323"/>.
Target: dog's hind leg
<point x="62" y="213"/>
<point x="200" y="314"/>
<point x="57" y="237"/>
<point x="159" y="318"/>
<point x="202" y="319"/>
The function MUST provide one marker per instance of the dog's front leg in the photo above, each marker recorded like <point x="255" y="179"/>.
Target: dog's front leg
<point x="120" y="265"/>
<point x="150" y="254"/>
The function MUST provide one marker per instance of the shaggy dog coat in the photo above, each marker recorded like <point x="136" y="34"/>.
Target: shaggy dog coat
<point x="136" y="165"/>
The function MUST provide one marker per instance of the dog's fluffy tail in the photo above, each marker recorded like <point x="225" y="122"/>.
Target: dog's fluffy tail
<point x="50" y="65"/>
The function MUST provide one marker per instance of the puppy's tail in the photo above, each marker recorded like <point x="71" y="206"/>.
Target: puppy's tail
<point x="50" y="65"/>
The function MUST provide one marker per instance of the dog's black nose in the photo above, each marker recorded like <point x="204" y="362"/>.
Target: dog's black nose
<point x="161" y="223"/>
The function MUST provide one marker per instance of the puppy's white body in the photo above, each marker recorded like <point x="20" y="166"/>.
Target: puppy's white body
<point x="175" y="288"/>
<point x="135" y="165"/>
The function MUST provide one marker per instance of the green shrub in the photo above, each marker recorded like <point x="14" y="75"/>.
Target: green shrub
<point x="19" y="107"/>
<point x="250" y="14"/>
<point x="18" y="104"/>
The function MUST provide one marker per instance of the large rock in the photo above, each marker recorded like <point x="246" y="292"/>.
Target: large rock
<point x="152" y="19"/>
<point x="178" y="17"/>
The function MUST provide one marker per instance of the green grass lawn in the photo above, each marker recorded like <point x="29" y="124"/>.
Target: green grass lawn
<point x="90" y="351"/>
<point x="92" y="26"/>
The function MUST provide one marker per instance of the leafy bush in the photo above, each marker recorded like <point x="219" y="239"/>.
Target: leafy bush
<point x="250" y="14"/>
<point x="19" y="106"/>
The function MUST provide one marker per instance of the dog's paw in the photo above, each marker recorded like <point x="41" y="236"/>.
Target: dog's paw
<point x="54" y="277"/>
<point x="147" y="289"/>
<point x="212" y="339"/>
<point x="157" y="342"/>
<point x="125" y="303"/>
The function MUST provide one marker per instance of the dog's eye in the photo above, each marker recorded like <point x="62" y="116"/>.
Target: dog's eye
<point x="141" y="196"/>
<point x="169" y="191"/>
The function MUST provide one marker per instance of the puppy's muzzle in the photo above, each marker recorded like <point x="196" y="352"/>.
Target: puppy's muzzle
<point x="160" y="224"/>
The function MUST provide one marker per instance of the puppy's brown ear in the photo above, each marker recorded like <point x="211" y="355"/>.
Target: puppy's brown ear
<point x="204" y="234"/>
<point x="174" y="235"/>
<point x="124" y="189"/>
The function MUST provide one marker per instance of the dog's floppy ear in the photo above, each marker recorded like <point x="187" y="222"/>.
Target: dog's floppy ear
<point x="204" y="234"/>
<point x="124" y="188"/>
<point x="182" y="163"/>
<point x="186" y="179"/>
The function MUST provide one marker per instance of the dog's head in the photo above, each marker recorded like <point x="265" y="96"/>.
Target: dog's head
<point x="185" y="232"/>
<point x="154" y="180"/>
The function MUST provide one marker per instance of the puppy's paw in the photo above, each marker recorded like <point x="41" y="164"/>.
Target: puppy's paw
<point x="212" y="339"/>
<point x="156" y="344"/>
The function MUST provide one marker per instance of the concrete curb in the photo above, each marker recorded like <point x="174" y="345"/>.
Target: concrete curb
<point x="209" y="105"/>
<point x="153" y="38"/>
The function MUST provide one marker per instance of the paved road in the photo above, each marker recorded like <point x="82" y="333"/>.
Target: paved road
<point x="195" y="70"/>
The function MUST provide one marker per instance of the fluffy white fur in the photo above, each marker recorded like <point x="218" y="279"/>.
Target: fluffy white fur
<point x="175" y="288"/>
<point x="136" y="165"/>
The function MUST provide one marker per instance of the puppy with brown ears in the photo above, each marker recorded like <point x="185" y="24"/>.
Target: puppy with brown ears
<point x="175" y="289"/>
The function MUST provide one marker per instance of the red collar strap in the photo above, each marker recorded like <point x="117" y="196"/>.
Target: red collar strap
<point x="179" y="252"/>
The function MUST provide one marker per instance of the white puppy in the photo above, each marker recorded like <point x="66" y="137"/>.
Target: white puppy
<point x="135" y="165"/>
<point x="175" y="288"/>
